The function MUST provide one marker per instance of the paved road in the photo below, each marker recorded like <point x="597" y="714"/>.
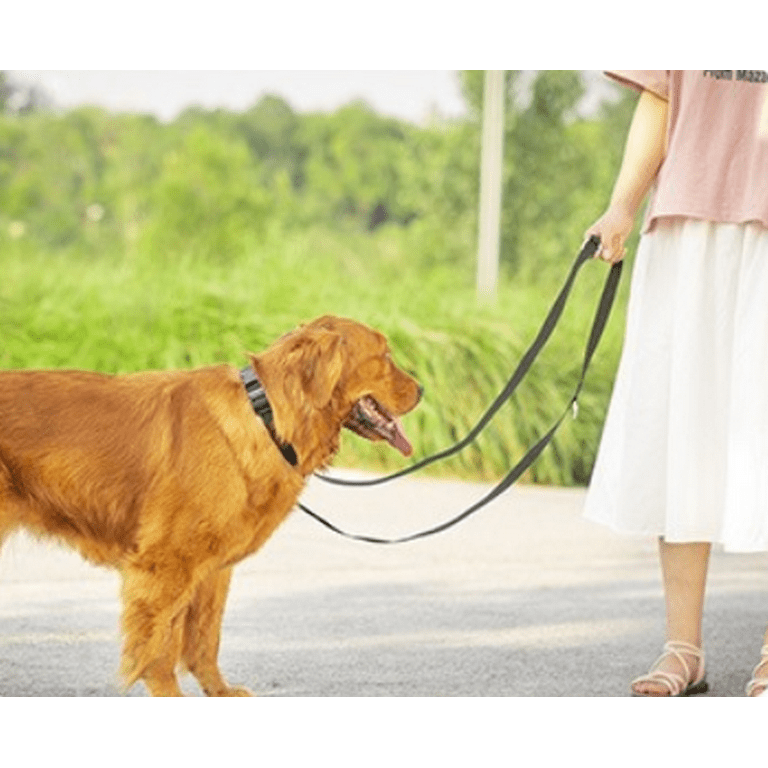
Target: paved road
<point x="523" y="599"/>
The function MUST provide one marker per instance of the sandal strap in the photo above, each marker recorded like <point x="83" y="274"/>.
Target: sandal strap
<point x="674" y="682"/>
<point x="754" y="683"/>
<point x="762" y="681"/>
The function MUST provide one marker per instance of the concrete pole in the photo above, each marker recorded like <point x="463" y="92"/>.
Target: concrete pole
<point x="491" y="163"/>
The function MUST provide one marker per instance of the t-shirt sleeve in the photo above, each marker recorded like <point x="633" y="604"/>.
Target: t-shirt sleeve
<point x="654" y="80"/>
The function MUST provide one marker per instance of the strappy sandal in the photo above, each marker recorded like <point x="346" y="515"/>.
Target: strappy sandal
<point x="676" y="684"/>
<point x="762" y="681"/>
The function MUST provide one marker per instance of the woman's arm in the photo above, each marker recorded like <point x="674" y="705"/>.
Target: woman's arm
<point x="643" y="154"/>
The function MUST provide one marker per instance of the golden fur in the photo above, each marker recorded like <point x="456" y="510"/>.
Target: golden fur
<point x="171" y="478"/>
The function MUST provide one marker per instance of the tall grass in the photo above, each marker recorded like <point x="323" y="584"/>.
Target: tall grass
<point x="124" y="312"/>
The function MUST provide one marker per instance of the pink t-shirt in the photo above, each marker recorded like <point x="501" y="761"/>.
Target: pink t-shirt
<point x="716" y="166"/>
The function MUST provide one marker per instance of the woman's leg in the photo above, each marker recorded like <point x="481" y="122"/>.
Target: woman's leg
<point x="684" y="572"/>
<point x="684" y="569"/>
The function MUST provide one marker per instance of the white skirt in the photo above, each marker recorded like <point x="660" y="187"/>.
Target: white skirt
<point x="684" y="451"/>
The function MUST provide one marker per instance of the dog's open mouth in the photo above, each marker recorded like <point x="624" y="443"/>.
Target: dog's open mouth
<point x="371" y="420"/>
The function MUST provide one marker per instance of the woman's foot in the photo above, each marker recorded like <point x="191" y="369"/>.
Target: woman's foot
<point x="679" y="671"/>
<point x="758" y="685"/>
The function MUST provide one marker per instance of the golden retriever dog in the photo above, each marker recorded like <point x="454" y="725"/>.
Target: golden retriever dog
<point x="173" y="477"/>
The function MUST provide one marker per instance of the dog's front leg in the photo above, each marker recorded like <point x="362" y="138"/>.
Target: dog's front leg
<point x="160" y="675"/>
<point x="202" y="633"/>
<point x="155" y="600"/>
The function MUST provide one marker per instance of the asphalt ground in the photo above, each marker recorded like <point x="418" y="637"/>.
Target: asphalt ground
<point x="523" y="599"/>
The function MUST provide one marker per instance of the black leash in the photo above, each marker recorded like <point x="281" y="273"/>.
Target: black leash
<point x="598" y="326"/>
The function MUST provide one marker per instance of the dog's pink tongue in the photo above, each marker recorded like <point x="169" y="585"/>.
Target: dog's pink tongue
<point x="398" y="439"/>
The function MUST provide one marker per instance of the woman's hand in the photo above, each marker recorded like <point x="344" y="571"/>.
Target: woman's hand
<point x="613" y="228"/>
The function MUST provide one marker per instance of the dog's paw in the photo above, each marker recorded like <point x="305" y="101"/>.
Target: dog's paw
<point x="236" y="690"/>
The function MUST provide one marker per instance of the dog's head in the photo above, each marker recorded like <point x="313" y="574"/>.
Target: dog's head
<point x="333" y="373"/>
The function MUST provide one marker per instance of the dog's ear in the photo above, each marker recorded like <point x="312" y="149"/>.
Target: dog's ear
<point x="306" y="366"/>
<point x="321" y="367"/>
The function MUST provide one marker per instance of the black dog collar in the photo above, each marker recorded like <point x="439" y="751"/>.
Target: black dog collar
<point x="263" y="410"/>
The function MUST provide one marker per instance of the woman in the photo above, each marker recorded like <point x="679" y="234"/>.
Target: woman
<point x="684" y="452"/>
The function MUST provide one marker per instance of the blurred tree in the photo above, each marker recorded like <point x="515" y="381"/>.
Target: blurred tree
<point x="540" y="161"/>
<point x="51" y="168"/>
<point x="439" y="186"/>
<point x="354" y="163"/>
<point x="271" y="130"/>
<point x="208" y="200"/>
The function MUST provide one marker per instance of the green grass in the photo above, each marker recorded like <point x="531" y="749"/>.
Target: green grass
<point x="121" y="313"/>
